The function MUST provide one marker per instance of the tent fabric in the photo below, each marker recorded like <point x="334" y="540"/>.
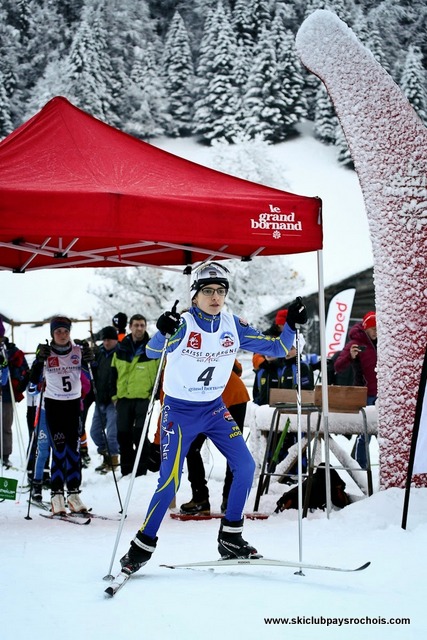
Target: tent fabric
<point x="75" y="191"/>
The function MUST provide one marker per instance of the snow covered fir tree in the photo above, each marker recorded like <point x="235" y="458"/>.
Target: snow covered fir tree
<point x="215" y="69"/>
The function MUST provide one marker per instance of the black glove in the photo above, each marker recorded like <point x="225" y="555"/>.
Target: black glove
<point x="297" y="314"/>
<point x="168" y="322"/>
<point x="42" y="352"/>
<point x="87" y="353"/>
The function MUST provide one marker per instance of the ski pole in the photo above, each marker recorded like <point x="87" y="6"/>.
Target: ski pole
<point x="3" y="353"/>
<point x="18" y="423"/>
<point x="109" y="575"/>
<point x="36" y="431"/>
<point x="299" y="430"/>
<point x="104" y="433"/>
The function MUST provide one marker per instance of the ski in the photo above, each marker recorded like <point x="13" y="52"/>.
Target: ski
<point x="211" y="516"/>
<point x="118" y="582"/>
<point x="262" y="562"/>
<point x="89" y="514"/>
<point x="64" y="518"/>
<point x="45" y="506"/>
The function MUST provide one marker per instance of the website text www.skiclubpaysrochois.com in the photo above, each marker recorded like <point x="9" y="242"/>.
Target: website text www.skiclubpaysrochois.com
<point x="339" y="622"/>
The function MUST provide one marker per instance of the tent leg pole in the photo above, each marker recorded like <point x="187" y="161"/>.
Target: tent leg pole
<point x="324" y="371"/>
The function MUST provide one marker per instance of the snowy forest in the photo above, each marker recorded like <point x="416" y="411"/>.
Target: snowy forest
<point x="222" y="70"/>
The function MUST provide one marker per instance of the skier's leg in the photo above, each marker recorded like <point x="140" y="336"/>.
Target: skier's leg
<point x="177" y="433"/>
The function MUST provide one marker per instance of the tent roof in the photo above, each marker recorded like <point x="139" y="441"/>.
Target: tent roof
<point x="74" y="192"/>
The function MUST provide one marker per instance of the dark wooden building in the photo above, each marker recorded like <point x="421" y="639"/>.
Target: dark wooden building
<point x="364" y="301"/>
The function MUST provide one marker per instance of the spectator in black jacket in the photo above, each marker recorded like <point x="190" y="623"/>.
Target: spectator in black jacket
<point x="14" y="374"/>
<point x="103" y="430"/>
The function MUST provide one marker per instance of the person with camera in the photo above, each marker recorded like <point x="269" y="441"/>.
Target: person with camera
<point x="361" y="353"/>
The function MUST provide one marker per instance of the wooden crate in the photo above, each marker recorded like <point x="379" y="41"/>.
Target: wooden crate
<point x="289" y="396"/>
<point x="342" y="399"/>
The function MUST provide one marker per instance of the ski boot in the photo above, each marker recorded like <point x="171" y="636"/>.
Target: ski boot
<point x="104" y="464"/>
<point x="231" y="544"/>
<point x="74" y="502"/>
<point x="58" y="503"/>
<point x="140" y="551"/>
<point x="37" y="491"/>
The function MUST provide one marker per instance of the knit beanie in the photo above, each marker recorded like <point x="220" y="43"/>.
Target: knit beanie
<point x="369" y="320"/>
<point x="109" y="333"/>
<point x="59" y="321"/>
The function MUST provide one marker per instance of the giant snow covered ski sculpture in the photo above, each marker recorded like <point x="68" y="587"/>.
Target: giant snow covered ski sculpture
<point x="388" y="144"/>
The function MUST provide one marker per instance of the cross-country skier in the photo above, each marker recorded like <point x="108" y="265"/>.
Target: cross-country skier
<point x="201" y="350"/>
<point x="61" y="363"/>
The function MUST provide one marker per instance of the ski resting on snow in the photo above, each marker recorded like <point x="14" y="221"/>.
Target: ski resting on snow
<point x="65" y="518"/>
<point x="120" y="580"/>
<point x="45" y="506"/>
<point x="262" y="562"/>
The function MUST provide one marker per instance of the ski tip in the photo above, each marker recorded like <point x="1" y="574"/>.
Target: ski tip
<point x="168" y="566"/>
<point x="363" y="566"/>
<point x="109" y="592"/>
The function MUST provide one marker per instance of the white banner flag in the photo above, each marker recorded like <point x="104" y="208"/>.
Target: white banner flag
<point x="418" y="454"/>
<point x="339" y="312"/>
<point x="420" y="457"/>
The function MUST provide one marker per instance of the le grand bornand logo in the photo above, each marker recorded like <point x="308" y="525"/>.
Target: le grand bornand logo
<point x="276" y="222"/>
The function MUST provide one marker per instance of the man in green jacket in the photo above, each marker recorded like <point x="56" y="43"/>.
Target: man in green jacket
<point x="133" y="377"/>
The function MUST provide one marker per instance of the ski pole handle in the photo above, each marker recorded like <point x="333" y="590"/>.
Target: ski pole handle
<point x="173" y="310"/>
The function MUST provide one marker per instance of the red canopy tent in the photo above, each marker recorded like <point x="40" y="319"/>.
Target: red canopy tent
<point x="75" y="192"/>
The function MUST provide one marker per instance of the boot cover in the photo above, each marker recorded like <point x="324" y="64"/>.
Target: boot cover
<point x="74" y="502"/>
<point x="57" y="503"/>
<point x="140" y="551"/>
<point x="231" y="544"/>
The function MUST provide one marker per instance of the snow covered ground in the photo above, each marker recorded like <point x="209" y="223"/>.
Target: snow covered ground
<point x="53" y="585"/>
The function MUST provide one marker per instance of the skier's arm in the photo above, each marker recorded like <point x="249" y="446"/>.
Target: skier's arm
<point x="252" y="339"/>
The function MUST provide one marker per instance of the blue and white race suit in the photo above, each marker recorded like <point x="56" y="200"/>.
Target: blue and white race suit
<point x="200" y="357"/>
